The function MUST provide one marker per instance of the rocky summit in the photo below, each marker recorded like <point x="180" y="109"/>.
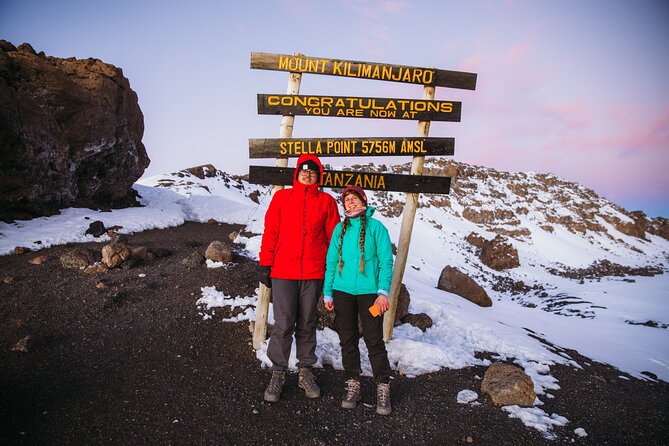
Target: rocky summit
<point x="70" y="134"/>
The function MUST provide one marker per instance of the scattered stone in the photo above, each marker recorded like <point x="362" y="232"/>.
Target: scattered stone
<point x="421" y="320"/>
<point x="96" y="229"/>
<point x="217" y="251"/>
<point x="78" y="258"/>
<point x="194" y="260"/>
<point x="96" y="268"/>
<point x="39" y="259"/>
<point x="212" y="221"/>
<point x="456" y="282"/>
<point x="140" y="253"/>
<point x="114" y="254"/>
<point x="254" y="196"/>
<point x="101" y="285"/>
<point x="8" y="280"/>
<point x="22" y="345"/>
<point x="20" y="250"/>
<point x="233" y="235"/>
<point x="508" y="385"/>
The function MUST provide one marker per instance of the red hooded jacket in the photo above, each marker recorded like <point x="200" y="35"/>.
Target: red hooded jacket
<point x="298" y="226"/>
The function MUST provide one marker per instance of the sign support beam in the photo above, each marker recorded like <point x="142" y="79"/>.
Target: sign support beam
<point x="408" y="217"/>
<point x="264" y="293"/>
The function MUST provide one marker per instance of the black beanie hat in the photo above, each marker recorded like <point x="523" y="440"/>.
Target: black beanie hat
<point x="311" y="164"/>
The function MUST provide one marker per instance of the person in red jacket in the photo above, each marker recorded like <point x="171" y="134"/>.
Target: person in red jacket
<point x="298" y="226"/>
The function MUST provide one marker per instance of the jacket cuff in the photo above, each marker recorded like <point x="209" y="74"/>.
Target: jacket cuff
<point x="383" y="293"/>
<point x="327" y="299"/>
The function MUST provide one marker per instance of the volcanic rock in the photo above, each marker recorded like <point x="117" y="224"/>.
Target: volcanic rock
<point x="507" y="384"/>
<point x="456" y="282"/>
<point x="70" y="134"/>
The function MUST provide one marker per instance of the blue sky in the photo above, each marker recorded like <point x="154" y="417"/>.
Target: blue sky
<point x="575" y="88"/>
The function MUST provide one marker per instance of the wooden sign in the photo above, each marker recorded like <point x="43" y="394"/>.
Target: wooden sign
<point x="333" y="147"/>
<point x="359" y="107"/>
<point x="364" y="70"/>
<point x="366" y="180"/>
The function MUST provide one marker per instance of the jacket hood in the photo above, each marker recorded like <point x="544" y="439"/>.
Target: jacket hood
<point x="307" y="157"/>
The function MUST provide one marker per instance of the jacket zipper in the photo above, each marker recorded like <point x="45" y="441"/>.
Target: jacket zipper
<point x="304" y="234"/>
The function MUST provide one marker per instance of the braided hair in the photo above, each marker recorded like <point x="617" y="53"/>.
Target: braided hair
<point x="345" y="224"/>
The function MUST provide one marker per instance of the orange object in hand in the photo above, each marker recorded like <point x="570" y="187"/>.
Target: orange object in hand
<point x="375" y="310"/>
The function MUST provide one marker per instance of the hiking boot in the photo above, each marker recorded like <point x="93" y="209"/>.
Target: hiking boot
<point x="307" y="382"/>
<point x="352" y="394"/>
<point x="383" y="399"/>
<point x="273" y="391"/>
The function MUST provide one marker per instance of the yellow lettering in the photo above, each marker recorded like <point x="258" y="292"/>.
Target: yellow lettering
<point x="386" y="72"/>
<point x="336" y="68"/>
<point x="446" y="107"/>
<point x="272" y="100"/>
<point x="365" y="70"/>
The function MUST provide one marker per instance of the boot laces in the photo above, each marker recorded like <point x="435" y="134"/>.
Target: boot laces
<point x="307" y="378"/>
<point x="383" y="394"/>
<point x="276" y="383"/>
<point x="352" y="389"/>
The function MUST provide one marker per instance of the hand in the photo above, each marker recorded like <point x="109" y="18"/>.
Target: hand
<point x="263" y="275"/>
<point x="329" y="306"/>
<point x="382" y="303"/>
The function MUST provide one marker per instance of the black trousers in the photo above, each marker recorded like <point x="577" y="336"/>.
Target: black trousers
<point x="347" y="309"/>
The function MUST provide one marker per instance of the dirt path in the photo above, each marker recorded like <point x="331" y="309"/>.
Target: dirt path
<point x="134" y="363"/>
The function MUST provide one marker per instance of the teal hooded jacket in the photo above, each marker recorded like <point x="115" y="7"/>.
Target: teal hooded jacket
<point x="378" y="271"/>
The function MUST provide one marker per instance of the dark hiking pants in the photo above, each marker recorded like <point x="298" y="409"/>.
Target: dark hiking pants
<point x="294" y="303"/>
<point x="347" y="309"/>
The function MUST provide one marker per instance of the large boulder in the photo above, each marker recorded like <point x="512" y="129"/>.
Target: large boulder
<point x="70" y="134"/>
<point x="456" y="282"/>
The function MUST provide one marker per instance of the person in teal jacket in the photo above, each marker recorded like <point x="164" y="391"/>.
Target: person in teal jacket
<point x="359" y="268"/>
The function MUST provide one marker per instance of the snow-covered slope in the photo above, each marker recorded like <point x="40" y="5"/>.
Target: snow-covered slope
<point x="592" y="276"/>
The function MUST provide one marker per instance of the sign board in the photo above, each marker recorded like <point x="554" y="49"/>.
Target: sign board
<point x="334" y="147"/>
<point x="364" y="70"/>
<point x="359" y="107"/>
<point x="367" y="180"/>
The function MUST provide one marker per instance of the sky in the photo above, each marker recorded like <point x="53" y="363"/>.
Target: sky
<point x="509" y="330"/>
<point x="574" y="88"/>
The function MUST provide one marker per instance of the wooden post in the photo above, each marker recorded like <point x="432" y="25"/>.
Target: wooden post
<point x="286" y="131"/>
<point x="408" y="216"/>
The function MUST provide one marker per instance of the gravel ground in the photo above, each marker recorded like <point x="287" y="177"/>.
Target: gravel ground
<point x="119" y="359"/>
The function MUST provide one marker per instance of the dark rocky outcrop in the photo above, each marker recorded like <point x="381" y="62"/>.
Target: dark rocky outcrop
<point x="70" y="134"/>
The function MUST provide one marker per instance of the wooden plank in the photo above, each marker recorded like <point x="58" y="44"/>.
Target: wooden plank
<point x="264" y="293"/>
<point x="366" y="180"/>
<point x="364" y="70"/>
<point x="408" y="217"/>
<point x="334" y="147"/>
<point x="359" y="107"/>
